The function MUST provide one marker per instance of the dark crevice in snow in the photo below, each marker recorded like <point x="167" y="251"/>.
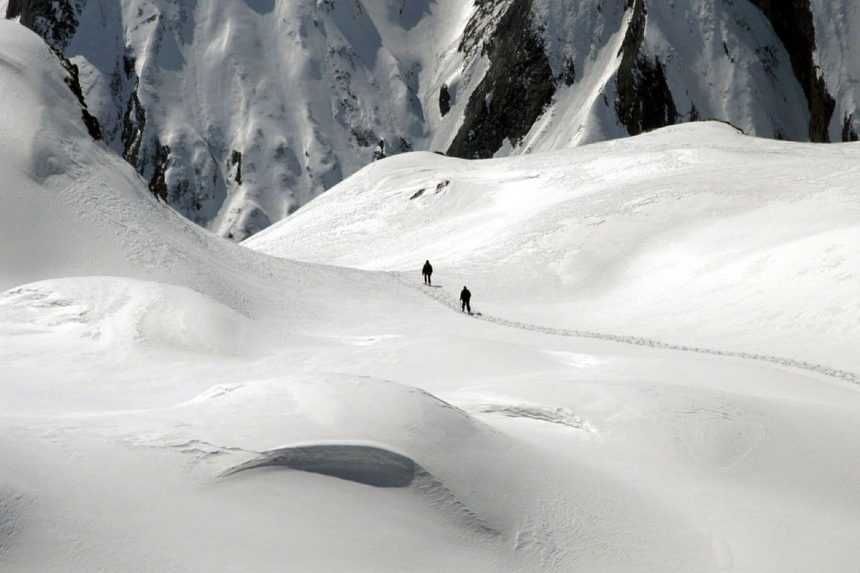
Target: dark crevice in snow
<point x="644" y="99"/>
<point x="517" y="87"/>
<point x="793" y="23"/>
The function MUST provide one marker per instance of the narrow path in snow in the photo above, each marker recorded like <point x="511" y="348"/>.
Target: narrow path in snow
<point x="440" y="296"/>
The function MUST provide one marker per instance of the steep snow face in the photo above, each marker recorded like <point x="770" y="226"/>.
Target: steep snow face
<point x="74" y="208"/>
<point x="238" y="113"/>
<point x="246" y="110"/>
<point x="692" y="233"/>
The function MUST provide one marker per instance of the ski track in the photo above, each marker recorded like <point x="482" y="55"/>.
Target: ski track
<point x="441" y="297"/>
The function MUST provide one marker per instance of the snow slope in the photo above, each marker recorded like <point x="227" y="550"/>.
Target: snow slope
<point x="238" y="113"/>
<point x="170" y="401"/>
<point x="694" y="234"/>
<point x="246" y="110"/>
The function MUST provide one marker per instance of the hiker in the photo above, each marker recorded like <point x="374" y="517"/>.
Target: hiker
<point x="427" y="271"/>
<point x="465" y="297"/>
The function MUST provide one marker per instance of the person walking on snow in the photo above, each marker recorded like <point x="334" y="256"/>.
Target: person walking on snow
<point x="427" y="271"/>
<point x="465" y="298"/>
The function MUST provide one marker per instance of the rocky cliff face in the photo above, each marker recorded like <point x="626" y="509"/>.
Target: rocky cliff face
<point x="239" y="112"/>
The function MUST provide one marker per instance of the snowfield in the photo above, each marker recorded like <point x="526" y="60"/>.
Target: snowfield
<point x="171" y="401"/>
<point x="693" y="235"/>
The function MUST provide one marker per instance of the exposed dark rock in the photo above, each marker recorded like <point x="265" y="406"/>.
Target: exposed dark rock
<point x="848" y="131"/>
<point x="55" y="20"/>
<point x="236" y="164"/>
<point x="158" y="181"/>
<point x="793" y="23"/>
<point x="644" y="100"/>
<point x="379" y="152"/>
<point x="365" y="137"/>
<point x="726" y="50"/>
<point x="417" y="194"/>
<point x="72" y="80"/>
<point x="133" y="125"/>
<point x="568" y="72"/>
<point x="694" y="112"/>
<point x="515" y="90"/>
<point x="444" y="100"/>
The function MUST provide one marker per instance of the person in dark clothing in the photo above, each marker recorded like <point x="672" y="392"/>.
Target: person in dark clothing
<point x="465" y="298"/>
<point x="427" y="271"/>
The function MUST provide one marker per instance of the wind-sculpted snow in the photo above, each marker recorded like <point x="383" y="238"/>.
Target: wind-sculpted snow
<point x="366" y="465"/>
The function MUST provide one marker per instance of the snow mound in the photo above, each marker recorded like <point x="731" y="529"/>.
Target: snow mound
<point x="119" y="312"/>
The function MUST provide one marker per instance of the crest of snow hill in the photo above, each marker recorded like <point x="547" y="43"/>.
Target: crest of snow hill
<point x="239" y="112"/>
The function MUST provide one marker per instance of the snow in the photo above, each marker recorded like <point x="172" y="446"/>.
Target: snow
<point x="170" y="401"/>
<point x="305" y="91"/>
<point x="691" y="235"/>
<point x="838" y="57"/>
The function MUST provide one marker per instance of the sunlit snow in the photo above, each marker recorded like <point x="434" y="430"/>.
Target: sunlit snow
<point x="662" y="376"/>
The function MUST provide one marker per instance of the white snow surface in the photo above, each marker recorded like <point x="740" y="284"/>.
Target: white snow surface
<point x="693" y="235"/>
<point x="143" y="360"/>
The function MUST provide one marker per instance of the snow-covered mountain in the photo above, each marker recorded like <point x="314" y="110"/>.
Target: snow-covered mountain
<point x="238" y="112"/>
<point x="171" y="401"/>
